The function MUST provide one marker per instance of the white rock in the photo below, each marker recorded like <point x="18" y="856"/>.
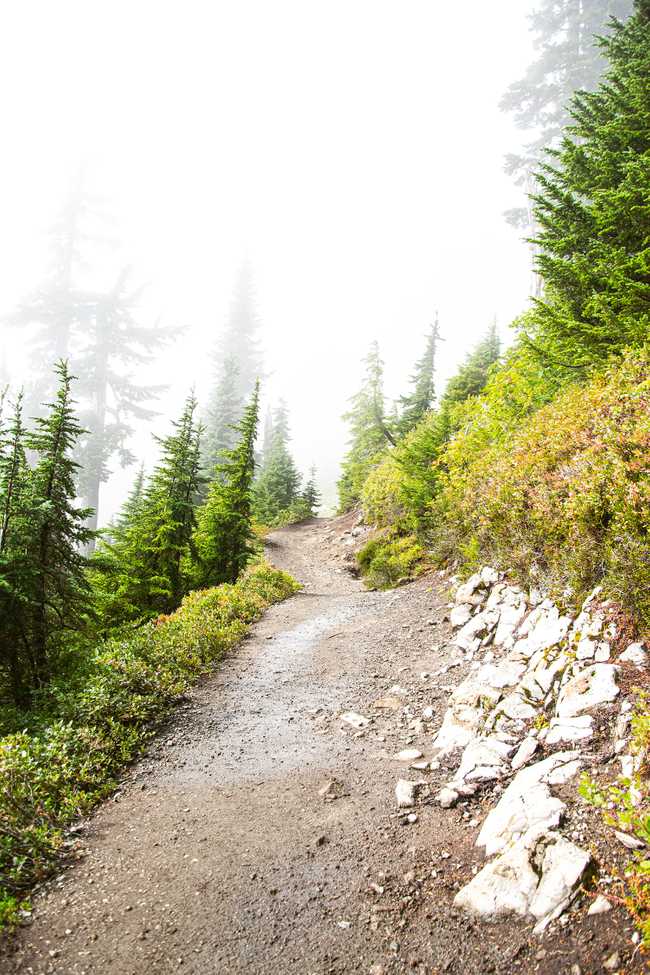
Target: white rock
<point x="510" y="618"/>
<point x="524" y="753"/>
<point x="447" y="798"/>
<point x="603" y="652"/>
<point x="570" y="729"/>
<point x="476" y="628"/>
<point x="483" y="758"/>
<point x="460" y="615"/>
<point x="535" y="876"/>
<point x="586" y="649"/>
<point x="515" y="707"/>
<point x="506" y="673"/>
<point x="489" y="575"/>
<point x="428" y="713"/>
<point x="468" y="588"/>
<point x="562" y="866"/>
<point x="405" y="793"/>
<point x="635" y="654"/>
<point x="356" y="720"/>
<point x="600" y="905"/>
<point x="408" y="755"/>
<point x="592" y="687"/>
<point x="526" y="803"/>
<point x="631" y="842"/>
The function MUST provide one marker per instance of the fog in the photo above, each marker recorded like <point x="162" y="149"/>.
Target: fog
<point x="351" y="152"/>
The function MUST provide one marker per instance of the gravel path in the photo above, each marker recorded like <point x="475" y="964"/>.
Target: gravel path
<point x="259" y="834"/>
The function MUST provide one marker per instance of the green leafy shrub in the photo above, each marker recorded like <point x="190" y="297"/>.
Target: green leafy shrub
<point x="564" y="498"/>
<point x="86" y="729"/>
<point x="387" y="559"/>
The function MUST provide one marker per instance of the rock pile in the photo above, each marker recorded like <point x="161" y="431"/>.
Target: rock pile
<point x="538" y="677"/>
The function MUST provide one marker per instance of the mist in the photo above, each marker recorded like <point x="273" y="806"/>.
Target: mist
<point x="349" y="154"/>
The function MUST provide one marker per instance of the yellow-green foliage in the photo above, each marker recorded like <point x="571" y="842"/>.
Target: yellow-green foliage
<point x="389" y="558"/>
<point x="381" y="498"/>
<point x="565" y="497"/>
<point x="67" y="757"/>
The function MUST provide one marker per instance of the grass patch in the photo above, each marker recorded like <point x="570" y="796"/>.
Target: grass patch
<point x="59" y="760"/>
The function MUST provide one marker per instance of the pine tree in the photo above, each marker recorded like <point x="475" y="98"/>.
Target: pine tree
<point x="114" y="344"/>
<point x="237" y="349"/>
<point x="592" y="210"/>
<point x="60" y="598"/>
<point x="369" y="430"/>
<point x="144" y="571"/>
<point x="278" y="484"/>
<point x="223" y="535"/>
<point x="422" y="396"/>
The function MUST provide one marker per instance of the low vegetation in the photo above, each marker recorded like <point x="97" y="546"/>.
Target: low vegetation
<point x="63" y="755"/>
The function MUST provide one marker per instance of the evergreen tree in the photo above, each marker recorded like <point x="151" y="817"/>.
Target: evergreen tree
<point x="369" y="431"/>
<point x="237" y="366"/>
<point x="223" y="535"/>
<point x="223" y="414"/>
<point x="422" y="396"/>
<point x="144" y="571"/>
<point x="114" y="344"/>
<point x="59" y="599"/>
<point x="16" y="570"/>
<point x="310" y="497"/>
<point x="59" y="308"/>
<point x="568" y="60"/>
<point x="592" y="210"/>
<point x="277" y="487"/>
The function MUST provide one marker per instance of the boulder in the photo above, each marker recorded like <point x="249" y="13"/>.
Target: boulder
<point x="460" y="615"/>
<point x="577" y="728"/>
<point x="535" y="876"/>
<point x="527" y="802"/>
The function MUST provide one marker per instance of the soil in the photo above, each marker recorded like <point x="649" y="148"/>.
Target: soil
<point x="260" y="833"/>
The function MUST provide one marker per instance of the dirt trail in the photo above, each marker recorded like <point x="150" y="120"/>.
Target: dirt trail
<point x="221" y="854"/>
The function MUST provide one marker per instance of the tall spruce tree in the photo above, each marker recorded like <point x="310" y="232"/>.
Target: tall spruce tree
<point x="420" y="400"/>
<point x="114" y="345"/>
<point x="223" y="535"/>
<point x="592" y="209"/>
<point x="144" y="571"/>
<point x="310" y="497"/>
<point x="237" y="366"/>
<point x="370" y="434"/>
<point x="277" y="487"/>
<point x="16" y="567"/>
<point x="59" y="596"/>
<point x="568" y="60"/>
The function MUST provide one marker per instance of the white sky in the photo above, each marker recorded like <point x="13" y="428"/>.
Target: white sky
<point x="351" y="149"/>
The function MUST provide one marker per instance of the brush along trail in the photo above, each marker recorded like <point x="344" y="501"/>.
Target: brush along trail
<point x="261" y="832"/>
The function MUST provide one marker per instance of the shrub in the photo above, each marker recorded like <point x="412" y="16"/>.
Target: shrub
<point x="388" y="558"/>
<point x="86" y="729"/>
<point x="564" y="498"/>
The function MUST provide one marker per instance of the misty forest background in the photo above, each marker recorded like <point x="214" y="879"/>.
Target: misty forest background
<point x="532" y="456"/>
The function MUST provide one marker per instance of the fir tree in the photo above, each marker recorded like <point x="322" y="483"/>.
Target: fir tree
<point x="115" y="343"/>
<point x="369" y="431"/>
<point x="568" y="60"/>
<point x="310" y="497"/>
<point x="144" y="571"/>
<point x="16" y="569"/>
<point x="277" y="487"/>
<point x="223" y="535"/>
<point x="223" y="414"/>
<point x="592" y="210"/>
<point x="59" y="599"/>
<point x="422" y="396"/>
<point x="237" y="366"/>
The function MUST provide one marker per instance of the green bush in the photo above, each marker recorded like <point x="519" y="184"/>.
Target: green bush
<point x="563" y="498"/>
<point x="388" y="559"/>
<point x="86" y="729"/>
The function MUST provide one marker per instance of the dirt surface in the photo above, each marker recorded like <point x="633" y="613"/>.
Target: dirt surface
<point x="260" y="833"/>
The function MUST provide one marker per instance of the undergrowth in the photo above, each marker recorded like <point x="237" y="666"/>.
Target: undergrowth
<point x="59" y="760"/>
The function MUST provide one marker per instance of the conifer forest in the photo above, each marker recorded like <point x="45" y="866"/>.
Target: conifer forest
<point x="325" y="488"/>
